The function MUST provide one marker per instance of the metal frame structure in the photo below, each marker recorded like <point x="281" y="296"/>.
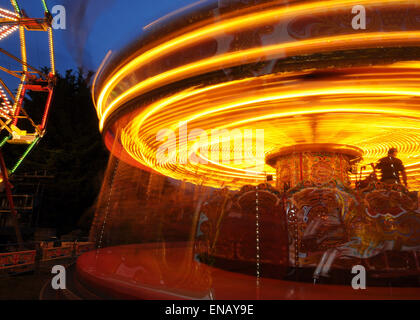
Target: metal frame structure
<point x="12" y="111"/>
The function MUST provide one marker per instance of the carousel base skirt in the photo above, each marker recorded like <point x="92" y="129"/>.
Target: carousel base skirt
<point x="161" y="271"/>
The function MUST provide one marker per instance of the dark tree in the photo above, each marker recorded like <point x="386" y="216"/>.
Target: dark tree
<point x="72" y="151"/>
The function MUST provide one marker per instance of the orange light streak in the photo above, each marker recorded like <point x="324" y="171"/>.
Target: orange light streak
<point x="248" y="21"/>
<point x="251" y="55"/>
<point x="373" y="107"/>
<point x="373" y="102"/>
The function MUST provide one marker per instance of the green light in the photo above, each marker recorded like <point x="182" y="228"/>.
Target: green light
<point x="45" y="6"/>
<point x="5" y="139"/>
<point x="24" y="155"/>
<point x="17" y="9"/>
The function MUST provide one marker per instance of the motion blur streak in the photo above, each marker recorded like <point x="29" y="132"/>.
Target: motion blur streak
<point x="377" y="111"/>
<point x="324" y="93"/>
<point x="254" y="20"/>
<point x="232" y="59"/>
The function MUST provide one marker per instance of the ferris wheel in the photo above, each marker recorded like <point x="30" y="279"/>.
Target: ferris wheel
<point x="17" y="77"/>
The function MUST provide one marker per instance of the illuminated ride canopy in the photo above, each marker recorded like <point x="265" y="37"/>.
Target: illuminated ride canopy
<point x="237" y="91"/>
<point x="207" y="100"/>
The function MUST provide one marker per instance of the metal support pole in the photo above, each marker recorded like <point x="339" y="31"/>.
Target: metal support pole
<point x="13" y="211"/>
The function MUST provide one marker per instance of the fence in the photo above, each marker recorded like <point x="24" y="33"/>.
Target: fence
<point x="17" y="262"/>
<point x="67" y="250"/>
<point x="24" y="261"/>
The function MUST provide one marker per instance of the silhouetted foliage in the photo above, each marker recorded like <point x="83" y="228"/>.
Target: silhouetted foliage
<point x="72" y="151"/>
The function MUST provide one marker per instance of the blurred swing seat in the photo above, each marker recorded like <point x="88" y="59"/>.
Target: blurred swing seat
<point x="21" y="136"/>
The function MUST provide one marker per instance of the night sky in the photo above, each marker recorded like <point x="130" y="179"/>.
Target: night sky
<point x="103" y="25"/>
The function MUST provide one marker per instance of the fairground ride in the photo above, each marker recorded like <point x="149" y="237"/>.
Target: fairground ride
<point x="270" y="215"/>
<point x="17" y="125"/>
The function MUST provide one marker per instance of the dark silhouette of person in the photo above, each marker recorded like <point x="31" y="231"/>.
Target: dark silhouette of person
<point x="391" y="167"/>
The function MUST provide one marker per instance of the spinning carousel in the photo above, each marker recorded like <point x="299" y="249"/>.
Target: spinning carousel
<point x="264" y="117"/>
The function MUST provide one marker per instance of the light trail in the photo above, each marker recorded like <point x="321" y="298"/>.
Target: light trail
<point x="375" y="104"/>
<point x="369" y="107"/>
<point x="252" y="21"/>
